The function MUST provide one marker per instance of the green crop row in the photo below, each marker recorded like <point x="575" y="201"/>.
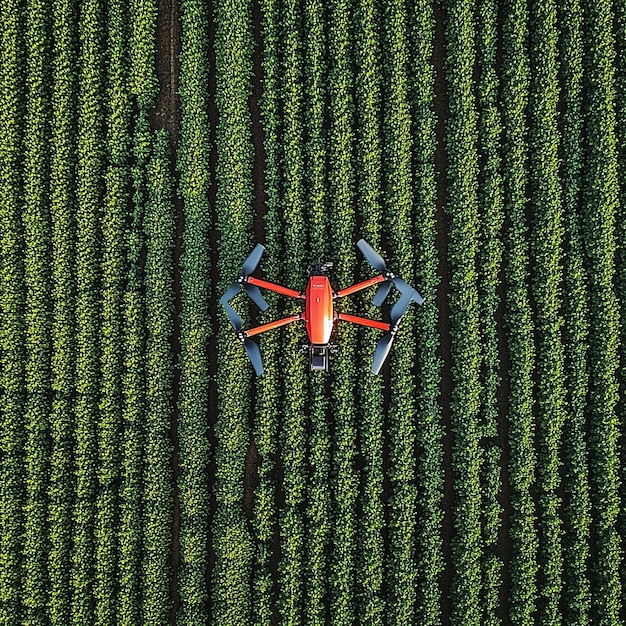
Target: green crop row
<point x="157" y="517"/>
<point x="518" y="318"/>
<point x="545" y="249"/>
<point x="319" y="501"/>
<point x="398" y="179"/>
<point x="12" y="302"/>
<point x="489" y="260"/>
<point x="370" y="570"/>
<point x="193" y="404"/>
<point x="429" y="431"/>
<point x="600" y="205"/>
<point x="577" y="518"/>
<point x="341" y="185"/>
<point x="115" y="201"/>
<point x="620" y="235"/>
<point x="293" y="203"/>
<point x="36" y="229"/>
<point x="89" y="182"/>
<point x="462" y="143"/>
<point x="231" y="538"/>
<point x="267" y="409"/>
<point x="62" y="203"/>
<point x="73" y="290"/>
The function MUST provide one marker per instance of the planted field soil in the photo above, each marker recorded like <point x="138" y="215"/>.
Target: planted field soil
<point x="147" y="476"/>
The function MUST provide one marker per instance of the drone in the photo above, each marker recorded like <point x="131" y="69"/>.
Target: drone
<point x="319" y="314"/>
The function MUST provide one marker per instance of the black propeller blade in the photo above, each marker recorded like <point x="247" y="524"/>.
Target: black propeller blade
<point x="371" y="256"/>
<point x="378" y="263"/>
<point x="255" y="295"/>
<point x="254" y="354"/>
<point x="234" y="318"/>
<point x="381" y="293"/>
<point x="250" y="264"/>
<point x="399" y="308"/>
<point x="382" y="350"/>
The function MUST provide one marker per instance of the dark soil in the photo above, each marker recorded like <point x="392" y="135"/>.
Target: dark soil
<point x="166" y="115"/>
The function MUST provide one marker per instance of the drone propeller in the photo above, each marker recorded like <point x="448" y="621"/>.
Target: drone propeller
<point x="255" y="295"/>
<point x="384" y="343"/>
<point x="251" y="348"/>
<point x="382" y="350"/>
<point x="234" y="318"/>
<point x="381" y="293"/>
<point x="397" y="311"/>
<point x="378" y="263"/>
<point x="250" y="264"/>
<point x="254" y="354"/>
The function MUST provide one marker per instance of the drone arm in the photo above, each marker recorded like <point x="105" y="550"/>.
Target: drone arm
<point x="363" y="321"/>
<point x="364" y="285"/>
<point x="285" y="291"/>
<point x="270" y="325"/>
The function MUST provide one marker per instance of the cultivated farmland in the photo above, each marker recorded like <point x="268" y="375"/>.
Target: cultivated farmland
<point x="148" y="477"/>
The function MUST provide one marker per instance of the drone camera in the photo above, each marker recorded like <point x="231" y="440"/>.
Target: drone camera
<point x="318" y="358"/>
<point x="320" y="268"/>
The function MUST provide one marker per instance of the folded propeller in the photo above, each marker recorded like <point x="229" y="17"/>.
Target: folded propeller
<point x="399" y="308"/>
<point x="250" y="264"/>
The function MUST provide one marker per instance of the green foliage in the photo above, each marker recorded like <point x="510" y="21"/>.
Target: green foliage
<point x="462" y="141"/>
<point x="159" y="230"/>
<point x="36" y="228"/>
<point x="489" y="261"/>
<point x="518" y="318"/>
<point x="344" y="523"/>
<point x="267" y="409"/>
<point x="90" y="174"/>
<point x="429" y="431"/>
<point x="231" y="540"/>
<point x="341" y="182"/>
<point x="113" y="266"/>
<point x="193" y="165"/>
<point x="62" y="206"/>
<point x="577" y="518"/>
<point x="600" y="204"/>
<point x="12" y="323"/>
<point x="370" y="559"/>
<point x="545" y="248"/>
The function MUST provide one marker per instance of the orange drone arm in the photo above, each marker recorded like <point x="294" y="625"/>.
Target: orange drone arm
<point x="270" y="325"/>
<point x="285" y="291"/>
<point x="363" y="321"/>
<point x="364" y="285"/>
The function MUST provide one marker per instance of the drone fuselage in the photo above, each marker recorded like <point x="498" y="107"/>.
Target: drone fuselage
<point x="319" y="314"/>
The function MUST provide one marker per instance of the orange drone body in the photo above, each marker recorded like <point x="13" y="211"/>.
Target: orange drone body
<point x="318" y="313"/>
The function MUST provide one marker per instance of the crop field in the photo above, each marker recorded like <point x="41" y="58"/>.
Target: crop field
<point x="147" y="476"/>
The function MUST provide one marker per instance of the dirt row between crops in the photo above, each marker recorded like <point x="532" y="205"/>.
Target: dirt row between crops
<point x="166" y="115"/>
